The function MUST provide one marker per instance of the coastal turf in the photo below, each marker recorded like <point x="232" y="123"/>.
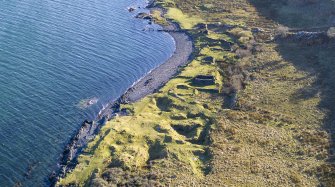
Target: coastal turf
<point x="277" y="133"/>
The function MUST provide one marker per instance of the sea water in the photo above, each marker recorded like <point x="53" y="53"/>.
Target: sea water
<point x="55" y="55"/>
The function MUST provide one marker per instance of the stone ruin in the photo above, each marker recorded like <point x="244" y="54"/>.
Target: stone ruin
<point x="204" y="80"/>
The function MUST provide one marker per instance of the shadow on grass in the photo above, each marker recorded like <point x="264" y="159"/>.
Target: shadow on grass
<point x="317" y="60"/>
<point x="320" y="62"/>
<point x="298" y="13"/>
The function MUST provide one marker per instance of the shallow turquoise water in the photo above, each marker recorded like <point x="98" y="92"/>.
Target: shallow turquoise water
<point x="53" y="54"/>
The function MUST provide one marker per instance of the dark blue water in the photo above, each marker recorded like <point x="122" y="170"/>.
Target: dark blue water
<point x="54" y="54"/>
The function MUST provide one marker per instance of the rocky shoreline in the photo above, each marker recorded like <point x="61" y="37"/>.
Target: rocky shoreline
<point x="162" y="74"/>
<point x="149" y="84"/>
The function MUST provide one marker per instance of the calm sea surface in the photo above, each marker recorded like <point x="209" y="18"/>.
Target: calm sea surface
<point x="54" y="54"/>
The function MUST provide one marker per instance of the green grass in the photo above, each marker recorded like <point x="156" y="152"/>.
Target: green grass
<point x="185" y="21"/>
<point x="127" y="141"/>
<point x="183" y="136"/>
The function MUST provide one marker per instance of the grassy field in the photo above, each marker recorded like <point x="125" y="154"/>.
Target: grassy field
<point x="278" y="133"/>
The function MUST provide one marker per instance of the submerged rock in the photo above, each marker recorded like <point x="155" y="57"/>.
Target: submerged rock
<point x="131" y="9"/>
<point x="85" y="103"/>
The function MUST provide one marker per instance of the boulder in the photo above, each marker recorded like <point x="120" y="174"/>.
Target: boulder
<point x="256" y="30"/>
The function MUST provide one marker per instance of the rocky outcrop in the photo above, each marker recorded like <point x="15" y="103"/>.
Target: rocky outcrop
<point x="305" y="37"/>
<point x="308" y="36"/>
<point x="77" y="143"/>
<point x="143" y="15"/>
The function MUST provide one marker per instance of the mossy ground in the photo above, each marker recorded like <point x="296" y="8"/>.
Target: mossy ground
<point x="276" y="135"/>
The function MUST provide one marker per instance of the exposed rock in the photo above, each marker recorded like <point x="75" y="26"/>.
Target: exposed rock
<point x="309" y="38"/>
<point x="303" y="35"/>
<point x="68" y="159"/>
<point x="143" y="15"/>
<point x="256" y="30"/>
<point x="147" y="82"/>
